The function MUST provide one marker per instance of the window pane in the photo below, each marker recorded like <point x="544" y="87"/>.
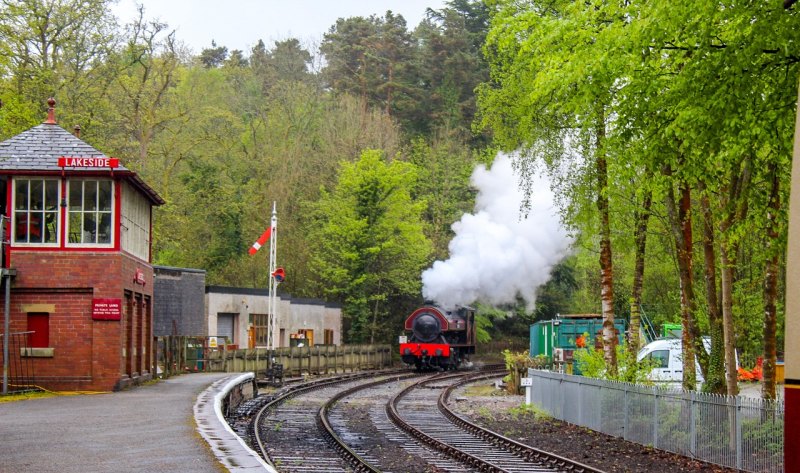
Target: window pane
<point x="105" y="196"/>
<point x="89" y="228"/>
<point x="36" y="227"/>
<point x="104" y="229"/>
<point x="22" y="227"/>
<point x="21" y="199"/>
<point x="74" y="228"/>
<point x="662" y="358"/>
<point x="90" y="196"/>
<point x="37" y="194"/>
<point x="51" y="195"/>
<point x="50" y="227"/>
<point x="75" y="195"/>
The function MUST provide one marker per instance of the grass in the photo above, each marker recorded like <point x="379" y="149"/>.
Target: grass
<point x="528" y="411"/>
<point x="483" y="390"/>
<point x="26" y="396"/>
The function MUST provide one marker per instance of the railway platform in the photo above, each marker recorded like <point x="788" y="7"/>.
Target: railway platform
<point x="155" y="428"/>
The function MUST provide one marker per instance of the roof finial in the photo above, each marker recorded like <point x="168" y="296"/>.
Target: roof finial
<point x="51" y="111"/>
<point x="77" y="131"/>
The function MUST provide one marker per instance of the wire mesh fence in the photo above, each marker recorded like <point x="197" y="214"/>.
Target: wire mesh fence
<point x="731" y="431"/>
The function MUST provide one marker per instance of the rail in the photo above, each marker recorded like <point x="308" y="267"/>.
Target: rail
<point x="296" y="390"/>
<point x="470" y="460"/>
<point x="354" y="459"/>
<point x="525" y="451"/>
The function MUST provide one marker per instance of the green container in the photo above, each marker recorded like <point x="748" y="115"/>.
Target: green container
<point x="563" y="333"/>
<point x="671" y="330"/>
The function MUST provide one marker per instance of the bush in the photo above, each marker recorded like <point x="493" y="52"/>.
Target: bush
<point x="517" y="364"/>
<point x="592" y="364"/>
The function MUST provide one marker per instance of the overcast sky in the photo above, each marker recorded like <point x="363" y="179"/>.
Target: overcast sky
<point x="239" y="24"/>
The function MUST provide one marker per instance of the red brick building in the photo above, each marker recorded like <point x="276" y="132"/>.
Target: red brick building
<point x="79" y="257"/>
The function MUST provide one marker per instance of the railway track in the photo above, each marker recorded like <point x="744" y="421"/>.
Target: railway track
<point x="421" y="411"/>
<point x="286" y="430"/>
<point x="363" y="424"/>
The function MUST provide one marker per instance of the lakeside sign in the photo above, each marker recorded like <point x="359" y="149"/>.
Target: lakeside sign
<point x="87" y="162"/>
<point x="106" y="309"/>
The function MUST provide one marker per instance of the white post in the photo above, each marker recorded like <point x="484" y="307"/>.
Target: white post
<point x="272" y="321"/>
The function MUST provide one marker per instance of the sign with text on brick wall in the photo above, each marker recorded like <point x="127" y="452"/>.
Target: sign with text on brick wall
<point x="106" y="309"/>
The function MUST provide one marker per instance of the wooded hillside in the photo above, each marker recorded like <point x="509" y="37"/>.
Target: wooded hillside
<point x="666" y="130"/>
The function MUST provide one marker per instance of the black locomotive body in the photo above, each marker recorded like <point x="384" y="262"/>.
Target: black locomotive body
<point x="439" y="339"/>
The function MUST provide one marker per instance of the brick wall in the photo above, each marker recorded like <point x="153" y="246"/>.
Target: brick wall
<point x="87" y="354"/>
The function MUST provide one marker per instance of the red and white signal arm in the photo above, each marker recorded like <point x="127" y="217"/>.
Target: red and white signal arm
<point x="279" y="275"/>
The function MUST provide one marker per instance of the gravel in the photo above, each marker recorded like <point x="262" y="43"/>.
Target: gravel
<point x="500" y="412"/>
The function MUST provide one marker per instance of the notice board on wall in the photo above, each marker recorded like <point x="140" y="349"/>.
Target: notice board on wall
<point x="106" y="309"/>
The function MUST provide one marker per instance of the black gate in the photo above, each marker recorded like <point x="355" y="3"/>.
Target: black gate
<point x="20" y="377"/>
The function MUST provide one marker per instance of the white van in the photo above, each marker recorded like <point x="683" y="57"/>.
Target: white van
<point x="668" y="352"/>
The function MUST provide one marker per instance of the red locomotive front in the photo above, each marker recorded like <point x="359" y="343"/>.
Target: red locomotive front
<point x="439" y="339"/>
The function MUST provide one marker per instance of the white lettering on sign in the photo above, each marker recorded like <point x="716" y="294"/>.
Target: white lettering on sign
<point x="526" y="382"/>
<point x="88" y="162"/>
<point x="106" y="309"/>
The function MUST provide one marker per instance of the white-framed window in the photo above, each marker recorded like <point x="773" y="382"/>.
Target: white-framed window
<point x="36" y="211"/>
<point x="90" y="211"/>
<point x="135" y="223"/>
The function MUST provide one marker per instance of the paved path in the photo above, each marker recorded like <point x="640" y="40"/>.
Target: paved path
<point x="145" y="429"/>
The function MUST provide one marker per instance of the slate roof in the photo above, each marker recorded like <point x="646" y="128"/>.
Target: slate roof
<point x="39" y="148"/>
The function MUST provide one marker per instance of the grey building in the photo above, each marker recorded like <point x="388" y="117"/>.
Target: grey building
<point x="184" y="305"/>
<point x="240" y="315"/>
<point x="179" y="302"/>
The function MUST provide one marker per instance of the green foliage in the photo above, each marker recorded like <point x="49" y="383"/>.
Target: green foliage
<point x="368" y="239"/>
<point x="653" y="90"/>
<point x="529" y="412"/>
<point x="764" y="432"/>
<point x="556" y="296"/>
<point x="517" y="364"/>
<point x="704" y="89"/>
<point x="593" y="365"/>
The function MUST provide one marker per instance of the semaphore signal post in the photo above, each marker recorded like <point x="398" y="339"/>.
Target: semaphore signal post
<point x="272" y="321"/>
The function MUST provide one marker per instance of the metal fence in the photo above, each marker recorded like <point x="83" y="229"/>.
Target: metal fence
<point x="20" y="376"/>
<point x="731" y="431"/>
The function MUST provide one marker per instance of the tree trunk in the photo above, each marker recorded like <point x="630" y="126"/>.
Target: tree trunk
<point x="640" y="237"/>
<point x="715" y="372"/>
<point x="734" y="209"/>
<point x="731" y="375"/>
<point x="771" y="289"/>
<point x="680" y="223"/>
<point x="606" y="267"/>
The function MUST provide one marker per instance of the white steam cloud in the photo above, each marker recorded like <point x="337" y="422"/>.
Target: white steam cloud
<point x="497" y="253"/>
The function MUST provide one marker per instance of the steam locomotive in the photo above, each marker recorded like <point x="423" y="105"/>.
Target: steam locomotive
<point x="440" y="339"/>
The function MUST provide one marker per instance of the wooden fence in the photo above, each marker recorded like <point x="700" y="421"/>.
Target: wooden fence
<point x="187" y="354"/>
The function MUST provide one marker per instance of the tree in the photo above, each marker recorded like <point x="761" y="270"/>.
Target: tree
<point x="722" y="130"/>
<point x="147" y="67"/>
<point x="288" y="61"/>
<point x="548" y="91"/>
<point x="444" y="168"/>
<point x="214" y="56"/>
<point x="371" y="58"/>
<point x="450" y="67"/>
<point x="369" y="245"/>
<point x="54" y="48"/>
